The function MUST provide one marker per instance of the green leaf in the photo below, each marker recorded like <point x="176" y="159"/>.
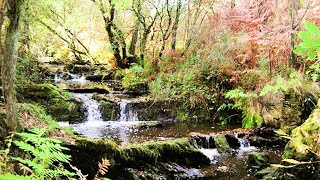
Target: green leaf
<point x="305" y="36"/>
<point x="312" y="56"/>
<point x="311" y="27"/>
<point x="314" y="77"/>
<point x="281" y="132"/>
<point x="9" y="176"/>
<point x="292" y="161"/>
<point x="307" y="45"/>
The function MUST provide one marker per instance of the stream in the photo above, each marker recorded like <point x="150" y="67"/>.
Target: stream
<point x="127" y="129"/>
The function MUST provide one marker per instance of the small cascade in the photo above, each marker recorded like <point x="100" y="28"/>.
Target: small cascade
<point x="126" y="112"/>
<point x="245" y="145"/>
<point x="57" y="78"/>
<point x="93" y="114"/>
<point x="212" y="154"/>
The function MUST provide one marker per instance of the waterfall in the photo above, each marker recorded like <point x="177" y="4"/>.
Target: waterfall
<point x="126" y="112"/>
<point x="245" y="145"/>
<point x="57" y="78"/>
<point x="93" y="115"/>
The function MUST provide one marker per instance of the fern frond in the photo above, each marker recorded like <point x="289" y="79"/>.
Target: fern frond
<point x="9" y="176"/>
<point x="37" y="168"/>
<point x="103" y="167"/>
<point x="58" y="173"/>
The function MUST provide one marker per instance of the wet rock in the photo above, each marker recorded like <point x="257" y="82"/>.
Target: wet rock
<point x="137" y="90"/>
<point x="147" y="160"/>
<point x="80" y="68"/>
<point x="89" y="90"/>
<point x="100" y="77"/>
<point x="232" y="141"/>
<point x="202" y="140"/>
<point x="146" y="108"/>
<point x="257" y="159"/>
<point x="286" y="110"/>
<point x="109" y="110"/>
<point x="265" y="137"/>
<point x="223" y="169"/>
<point x="222" y="144"/>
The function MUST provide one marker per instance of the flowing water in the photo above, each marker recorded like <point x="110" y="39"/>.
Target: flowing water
<point x="127" y="113"/>
<point x="128" y="129"/>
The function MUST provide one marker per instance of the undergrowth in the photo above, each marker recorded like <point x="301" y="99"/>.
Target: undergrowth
<point x="43" y="157"/>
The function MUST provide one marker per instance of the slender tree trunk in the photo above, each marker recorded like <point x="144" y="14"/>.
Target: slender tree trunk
<point x="8" y="68"/>
<point x="114" y="43"/>
<point x="134" y="39"/>
<point x="175" y="25"/>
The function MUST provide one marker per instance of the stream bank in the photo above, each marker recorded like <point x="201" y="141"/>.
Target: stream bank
<point x="147" y="139"/>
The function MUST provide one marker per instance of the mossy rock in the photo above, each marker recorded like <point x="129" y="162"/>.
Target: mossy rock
<point x="258" y="159"/>
<point x="57" y="103"/>
<point x="222" y="144"/>
<point x="304" y="144"/>
<point x="87" y="153"/>
<point x="110" y="110"/>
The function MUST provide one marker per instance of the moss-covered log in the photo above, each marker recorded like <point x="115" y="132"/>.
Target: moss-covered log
<point x="87" y="153"/>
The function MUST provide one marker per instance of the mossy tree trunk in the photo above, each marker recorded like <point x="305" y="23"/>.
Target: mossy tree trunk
<point x="9" y="60"/>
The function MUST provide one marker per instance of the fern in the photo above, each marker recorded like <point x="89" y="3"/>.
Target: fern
<point x="46" y="153"/>
<point x="103" y="168"/>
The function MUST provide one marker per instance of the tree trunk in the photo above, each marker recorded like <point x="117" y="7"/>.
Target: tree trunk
<point x="9" y="61"/>
<point x="175" y="25"/>
<point x="114" y="44"/>
<point x="134" y="39"/>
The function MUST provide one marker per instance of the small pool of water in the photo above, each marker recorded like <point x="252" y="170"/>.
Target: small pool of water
<point x="235" y="166"/>
<point x="130" y="132"/>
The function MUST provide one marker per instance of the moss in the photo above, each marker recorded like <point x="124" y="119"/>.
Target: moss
<point x="305" y="139"/>
<point x="87" y="153"/>
<point x="222" y="144"/>
<point x="109" y="110"/>
<point x="39" y="114"/>
<point x="258" y="159"/>
<point x="59" y="104"/>
<point x="141" y="154"/>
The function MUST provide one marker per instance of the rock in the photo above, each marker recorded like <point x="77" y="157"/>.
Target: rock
<point x="109" y="110"/>
<point x="58" y="104"/>
<point x="89" y="90"/>
<point x="304" y="146"/>
<point x="202" y="140"/>
<point x="222" y="144"/>
<point x="137" y="90"/>
<point x="232" y="141"/>
<point x="80" y="68"/>
<point x="223" y="169"/>
<point x="285" y="110"/>
<point x="155" y="158"/>
<point x="100" y="77"/>
<point x="265" y="137"/>
<point x="257" y="159"/>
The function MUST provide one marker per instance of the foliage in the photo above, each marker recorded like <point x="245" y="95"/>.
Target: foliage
<point x="309" y="48"/>
<point x="46" y="156"/>
<point x="4" y="155"/>
<point x="37" y="114"/>
<point x="103" y="168"/>
<point x="132" y="76"/>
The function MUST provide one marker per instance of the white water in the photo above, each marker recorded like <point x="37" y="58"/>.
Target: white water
<point x="245" y="146"/>
<point x="127" y="113"/>
<point x="93" y="123"/>
<point x="212" y="154"/>
<point x="74" y="78"/>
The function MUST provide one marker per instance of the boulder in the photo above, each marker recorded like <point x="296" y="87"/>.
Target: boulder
<point x="59" y="104"/>
<point x="222" y="144"/>
<point x="136" y="161"/>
